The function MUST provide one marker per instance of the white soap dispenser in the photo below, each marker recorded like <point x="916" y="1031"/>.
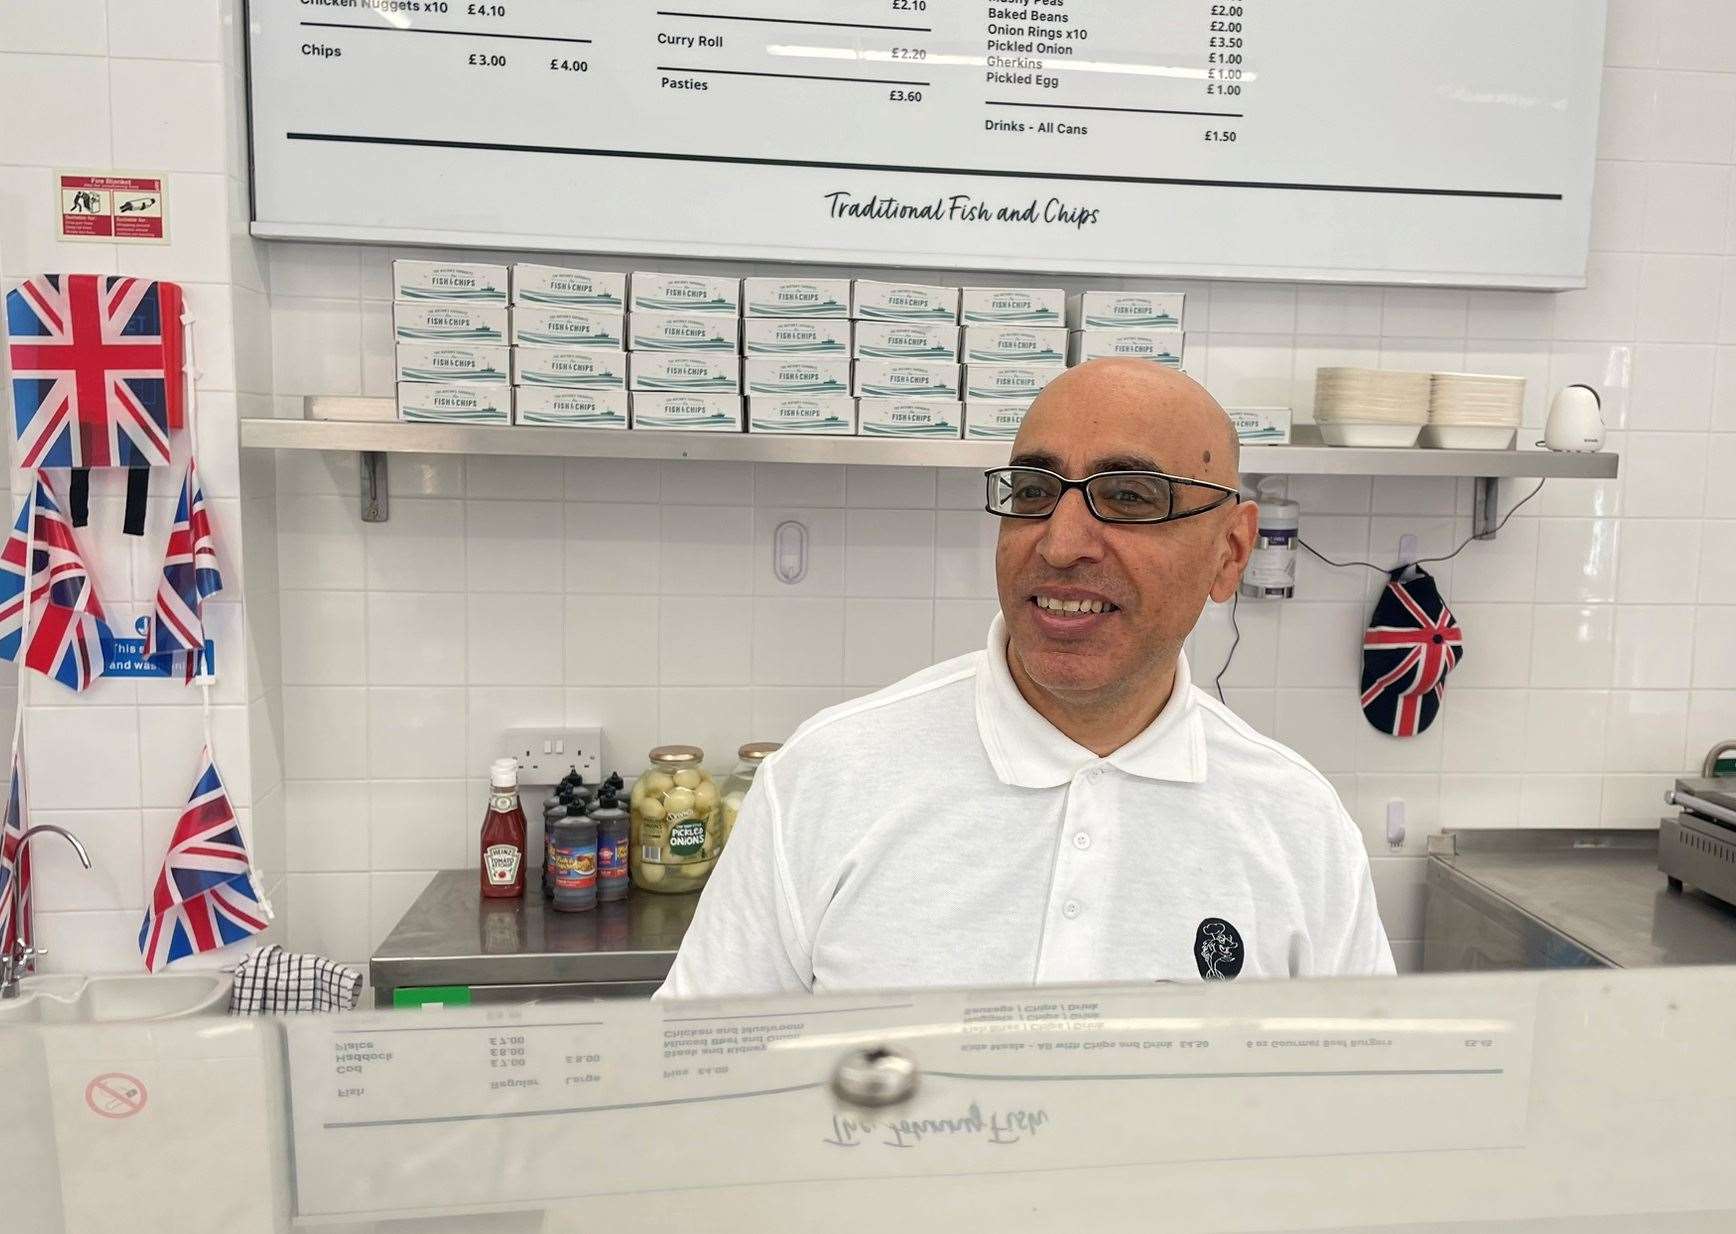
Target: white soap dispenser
<point x="1575" y="422"/>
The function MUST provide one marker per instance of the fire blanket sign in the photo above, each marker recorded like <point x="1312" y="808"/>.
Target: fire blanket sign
<point x="112" y="207"/>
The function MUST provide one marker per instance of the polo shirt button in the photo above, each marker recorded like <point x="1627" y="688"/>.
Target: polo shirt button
<point x="1071" y="909"/>
<point x="1081" y="841"/>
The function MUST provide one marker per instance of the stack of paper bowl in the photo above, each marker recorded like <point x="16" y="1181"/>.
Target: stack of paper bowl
<point x="1471" y="411"/>
<point x="1370" y="407"/>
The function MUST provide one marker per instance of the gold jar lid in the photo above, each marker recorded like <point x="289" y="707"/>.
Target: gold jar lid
<point x="756" y="751"/>
<point x="679" y="755"/>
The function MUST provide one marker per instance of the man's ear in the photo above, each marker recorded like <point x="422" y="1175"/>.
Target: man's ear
<point x="1241" y="529"/>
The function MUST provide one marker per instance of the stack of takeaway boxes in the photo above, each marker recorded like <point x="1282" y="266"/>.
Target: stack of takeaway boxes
<point x="593" y="349"/>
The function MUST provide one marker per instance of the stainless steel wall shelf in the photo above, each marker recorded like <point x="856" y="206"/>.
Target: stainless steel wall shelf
<point x="376" y="437"/>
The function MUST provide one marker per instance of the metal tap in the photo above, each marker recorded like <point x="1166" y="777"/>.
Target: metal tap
<point x="1710" y="767"/>
<point x="15" y="957"/>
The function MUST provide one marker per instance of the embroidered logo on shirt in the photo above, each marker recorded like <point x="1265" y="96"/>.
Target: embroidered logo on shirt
<point x="1218" y="950"/>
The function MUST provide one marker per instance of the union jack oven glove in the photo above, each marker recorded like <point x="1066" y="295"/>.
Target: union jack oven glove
<point x="1413" y="641"/>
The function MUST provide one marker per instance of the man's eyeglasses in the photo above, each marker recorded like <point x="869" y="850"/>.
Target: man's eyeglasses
<point x="1111" y="496"/>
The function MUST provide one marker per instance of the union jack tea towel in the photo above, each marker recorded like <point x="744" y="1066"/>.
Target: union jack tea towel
<point x="1413" y="641"/>
<point x="97" y="375"/>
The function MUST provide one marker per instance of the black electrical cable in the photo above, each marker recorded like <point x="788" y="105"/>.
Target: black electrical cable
<point x="1426" y="561"/>
<point x="1345" y="565"/>
<point x="1234" y="643"/>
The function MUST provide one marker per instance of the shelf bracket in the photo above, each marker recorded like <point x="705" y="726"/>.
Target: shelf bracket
<point x="376" y="492"/>
<point x="1485" y="507"/>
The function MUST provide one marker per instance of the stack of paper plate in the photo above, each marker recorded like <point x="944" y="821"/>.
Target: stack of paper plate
<point x="1473" y="411"/>
<point x="1370" y="407"/>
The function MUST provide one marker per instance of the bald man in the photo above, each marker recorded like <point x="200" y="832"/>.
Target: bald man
<point x="1064" y="805"/>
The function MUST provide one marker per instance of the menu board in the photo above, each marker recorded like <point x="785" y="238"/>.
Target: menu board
<point x="1311" y="139"/>
<point x="518" y="1107"/>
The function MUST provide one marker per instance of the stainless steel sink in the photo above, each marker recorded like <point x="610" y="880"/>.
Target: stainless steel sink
<point x="71" y="999"/>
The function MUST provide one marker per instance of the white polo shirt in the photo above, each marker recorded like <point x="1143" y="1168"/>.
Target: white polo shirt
<point x="942" y="833"/>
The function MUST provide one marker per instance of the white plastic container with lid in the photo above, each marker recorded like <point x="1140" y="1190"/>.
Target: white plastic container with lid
<point x="1271" y="571"/>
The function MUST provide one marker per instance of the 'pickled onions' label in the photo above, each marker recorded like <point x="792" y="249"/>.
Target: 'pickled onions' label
<point x="686" y="834"/>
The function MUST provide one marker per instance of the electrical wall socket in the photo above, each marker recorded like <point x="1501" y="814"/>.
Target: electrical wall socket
<point x="546" y="754"/>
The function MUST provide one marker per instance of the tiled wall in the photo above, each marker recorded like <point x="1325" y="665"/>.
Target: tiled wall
<point x="149" y="87"/>
<point x="1601" y="624"/>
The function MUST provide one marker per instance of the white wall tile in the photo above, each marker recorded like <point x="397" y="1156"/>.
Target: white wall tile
<point x="1325" y="309"/>
<point x="1319" y="644"/>
<point x="325" y="733"/>
<point x="1654" y="646"/>
<point x="1497" y="645"/>
<point x="1381" y="752"/>
<point x="1714" y="648"/>
<point x="514" y="639"/>
<point x="1711" y="719"/>
<point x="1576" y="559"/>
<point x="799" y="484"/>
<point x="707" y="550"/>
<point x="516" y="544"/>
<point x="74" y="28"/>
<point x="778" y="710"/>
<point x="60" y="884"/>
<point x="497" y="477"/>
<point x="67" y="101"/>
<point x="181" y="128"/>
<point x="628" y="718"/>
<point x="717" y="719"/>
<point x="1572" y="645"/>
<point x="1618" y="206"/>
<point x="889" y="488"/>
<point x="1628" y="101"/>
<point x="390" y="896"/>
<point x="1480" y="800"/>
<point x="1664" y="474"/>
<point x="1510" y="315"/>
<point x="170" y="741"/>
<point x="1254" y="308"/>
<point x="889" y="553"/>
<point x="1424" y="312"/>
<point x="421" y="547"/>
<point x="1685" y="208"/>
<point x="106" y="771"/>
<point x="416" y="638"/>
<point x="1323" y="726"/>
<point x="99" y="942"/>
<point x="1646" y="730"/>
<point x="886" y="640"/>
<point x="323" y="639"/>
<point x="1560" y="800"/>
<point x="1658" y="561"/>
<point x="612" y="547"/>
<point x="319" y="543"/>
<point x="1564" y="730"/>
<point x="1631" y="37"/>
<point x="612" y="640"/>
<point x="613" y="480"/>
<point x="419" y="825"/>
<point x="797" y="642"/>
<point x="186" y="30"/>
<point x="1400" y="891"/>
<point x="961" y="626"/>
<point x="706" y="641"/>
<point x="1672" y="387"/>
<point x="1678" y="298"/>
<point x="1605" y="308"/>
<point x="326" y="825"/>
<point x="693" y="483"/>
<point x="316" y="346"/>
<point x="330" y="916"/>
<point x="964" y="555"/>
<point x="415" y="733"/>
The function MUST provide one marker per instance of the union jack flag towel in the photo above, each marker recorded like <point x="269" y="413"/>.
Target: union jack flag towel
<point x="15" y="860"/>
<point x="69" y="635"/>
<point x="205" y="897"/>
<point x="1413" y="641"/>
<point x="96" y="370"/>
<point x="175" y="634"/>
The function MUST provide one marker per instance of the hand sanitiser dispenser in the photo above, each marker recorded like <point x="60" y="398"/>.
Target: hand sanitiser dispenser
<point x="1271" y="570"/>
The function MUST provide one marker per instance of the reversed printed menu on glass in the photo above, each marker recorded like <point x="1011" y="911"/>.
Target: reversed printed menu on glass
<point x="1329" y="139"/>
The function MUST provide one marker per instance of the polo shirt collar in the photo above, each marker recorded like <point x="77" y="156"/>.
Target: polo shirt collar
<point x="1029" y="752"/>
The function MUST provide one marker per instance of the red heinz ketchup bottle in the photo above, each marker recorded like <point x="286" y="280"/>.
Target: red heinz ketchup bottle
<point x="503" y="833"/>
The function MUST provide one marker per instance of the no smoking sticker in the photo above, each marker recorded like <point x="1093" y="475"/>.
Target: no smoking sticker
<point x="115" y="1094"/>
<point x="124" y="207"/>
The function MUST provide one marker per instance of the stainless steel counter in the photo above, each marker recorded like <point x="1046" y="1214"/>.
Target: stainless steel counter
<point x="455" y="946"/>
<point x="1564" y="899"/>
